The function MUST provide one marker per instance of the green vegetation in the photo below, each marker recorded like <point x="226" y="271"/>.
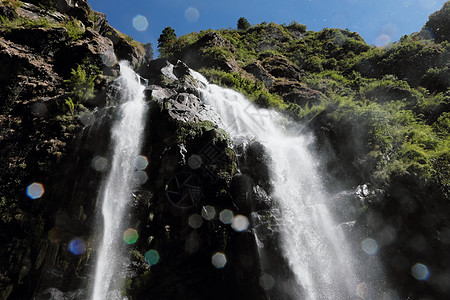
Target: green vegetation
<point x="243" y="24"/>
<point x="75" y="29"/>
<point x="254" y="90"/>
<point x="398" y="95"/>
<point x="439" y="24"/>
<point x="82" y="83"/>
<point x="8" y="24"/>
<point x="166" y="40"/>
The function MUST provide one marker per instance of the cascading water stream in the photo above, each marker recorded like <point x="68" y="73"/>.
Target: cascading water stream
<point x="117" y="190"/>
<point x="312" y="243"/>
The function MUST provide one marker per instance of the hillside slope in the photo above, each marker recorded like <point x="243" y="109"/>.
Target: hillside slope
<point x="381" y="117"/>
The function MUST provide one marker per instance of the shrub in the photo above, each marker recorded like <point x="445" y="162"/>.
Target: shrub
<point x="75" y="29"/>
<point x="81" y="84"/>
<point x="243" y="24"/>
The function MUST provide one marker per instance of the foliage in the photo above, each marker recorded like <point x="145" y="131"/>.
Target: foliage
<point x="166" y="41"/>
<point x="81" y="83"/>
<point x="75" y="29"/>
<point x="439" y="24"/>
<point x="12" y="3"/>
<point x="7" y="24"/>
<point x="254" y="90"/>
<point x="243" y="24"/>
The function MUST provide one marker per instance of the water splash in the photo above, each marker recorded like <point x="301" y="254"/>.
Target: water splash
<point x="312" y="243"/>
<point x="117" y="190"/>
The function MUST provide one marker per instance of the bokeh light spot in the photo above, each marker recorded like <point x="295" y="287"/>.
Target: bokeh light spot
<point x="191" y="14"/>
<point x="266" y="282"/>
<point x="219" y="260"/>
<point x="55" y="234"/>
<point x="109" y="58"/>
<point x="39" y="109"/>
<point x="99" y="163"/>
<point x="420" y="271"/>
<point x="152" y="257"/>
<point x="35" y="190"/>
<point x="382" y="40"/>
<point x="370" y="246"/>
<point x="140" y="177"/>
<point x="140" y="23"/>
<point x="87" y="118"/>
<point x="226" y="216"/>
<point x="77" y="246"/>
<point x="130" y="236"/>
<point x="141" y="162"/>
<point x="192" y="243"/>
<point x="208" y="212"/>
<point x="195" y="161"/>
<point x="195" y="221"/>
<point x="240" y="223"/>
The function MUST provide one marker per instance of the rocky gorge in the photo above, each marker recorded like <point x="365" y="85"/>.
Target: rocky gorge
<point x="387" y="168"/>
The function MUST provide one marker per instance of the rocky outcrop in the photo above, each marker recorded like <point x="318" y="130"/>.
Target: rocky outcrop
<point x="257" y="70"/>
<point x="41" y="122"/>
<point x="207" y="52"/>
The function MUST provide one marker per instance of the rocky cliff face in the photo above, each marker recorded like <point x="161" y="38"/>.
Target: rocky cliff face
<point x="39" y="50"/>
<point x="382" y="138"/>
<point x="59" y="103"/>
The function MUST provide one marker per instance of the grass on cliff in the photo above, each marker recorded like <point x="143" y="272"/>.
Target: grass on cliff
<point x="7" y="24"/>
<point x="393" y="100"/>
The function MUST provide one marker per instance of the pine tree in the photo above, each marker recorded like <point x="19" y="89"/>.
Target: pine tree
<point x="243" y="24"/>
<point x="166" y="40"/>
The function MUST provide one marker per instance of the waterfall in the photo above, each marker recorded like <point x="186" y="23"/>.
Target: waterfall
<point x="116" y="192"/>
<point x="311" y="241"/>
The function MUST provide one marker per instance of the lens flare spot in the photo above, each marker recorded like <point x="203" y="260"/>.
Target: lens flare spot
<point x="192" y="243"/>
<point x="77" y="246"/>
<point x="140" y="23"/>
<point x="87" y="118"/>
<point x="195" y="161"/>
<point x="39" y="109"/>
<point x="152" y="257"/>
<point x="141" y="162"/>
<point x="35" y="190"/>
<point x="55" y="234"/>
<point x="219" y="260"/>
<point x="109" y="58"/>
<point x="382" y="40"/>
<point x="195" y="221"/>
<point x="266" y="282"/>
<point x="140" y="177"/>
<point x="420" y="271"/>
<point x="99" y="163"/>
<point x="226" y="216"/>
<point x="240" y="223"/>
<point x="208" y="212"/>
<point x="191" y="14"/>
<point x="370" y="246"/>
<point x="130" y="236"/>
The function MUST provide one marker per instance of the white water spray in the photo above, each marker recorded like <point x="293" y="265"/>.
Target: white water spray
<point x="117" y="189"/>
<point x="313" y="244"/>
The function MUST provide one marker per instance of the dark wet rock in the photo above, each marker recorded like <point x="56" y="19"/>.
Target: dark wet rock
<point x="297" y="93"/>
<point x="280" y="67"/>
<point x="257" y="70"/>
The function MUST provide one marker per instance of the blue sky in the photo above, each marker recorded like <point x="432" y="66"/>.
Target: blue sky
<point x="378" y="21"/>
